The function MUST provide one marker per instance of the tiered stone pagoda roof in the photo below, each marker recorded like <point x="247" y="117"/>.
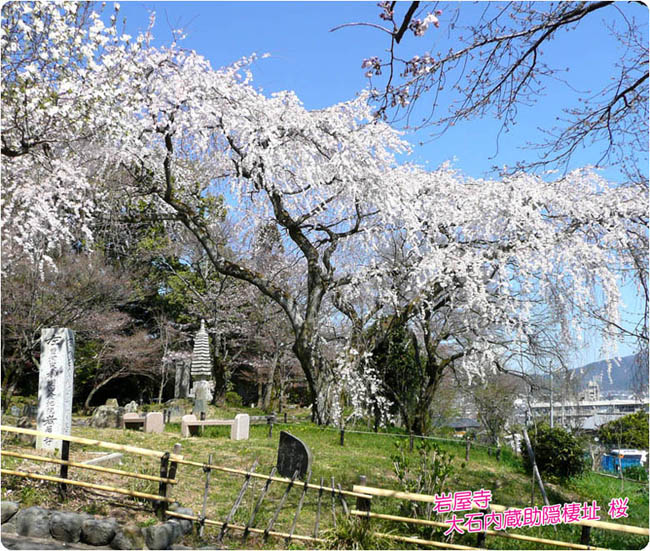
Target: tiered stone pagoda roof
<point x="201" y="361"/>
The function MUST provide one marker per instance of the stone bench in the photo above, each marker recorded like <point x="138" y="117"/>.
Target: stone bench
<point x="151" y="422"/>
<point x="239" y="426"/>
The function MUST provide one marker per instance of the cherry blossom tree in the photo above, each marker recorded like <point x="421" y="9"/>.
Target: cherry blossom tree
<point x="485" y="272"/>
<point x="65" y="76"/>
<point x="481" y="259"/>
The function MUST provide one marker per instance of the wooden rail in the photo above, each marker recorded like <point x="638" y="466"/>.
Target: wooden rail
<point x="119" y="472"/>
<point x="381" y="492"/>
<point x="91" y="442"/>
<point x="113" y="489"/>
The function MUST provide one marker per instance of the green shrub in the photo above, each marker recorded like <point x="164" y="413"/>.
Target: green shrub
<point x="353" y="533"/>
<point x="425" y="470"/>
<point x="233" y="400"/>
<point x="557" y="452"/>
<point x="630" y="431"/>
<point x="636" y="472"/>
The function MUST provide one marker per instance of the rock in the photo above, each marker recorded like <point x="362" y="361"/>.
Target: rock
<point x="33" y="522"/>
<point x="11" y="541"/>
<point x="10" y="527"/>
<point x="108" y="417"/>
<point x="25" y="423"/>
<point x="9" y="509"/>
<point x="121" y="541"/>
<point x="186" y="525"/>
<point x="15" y="411"/>
<point x="159" y="536"/>
<point x="112" y="402"/>
<point x="131" y="407"/>
<point x="132" y="533"/>
<point x="66" y="526"/>
<point x="162" y="536"/>
<point x="105" y="459"/>
<point x="98" y="531"/>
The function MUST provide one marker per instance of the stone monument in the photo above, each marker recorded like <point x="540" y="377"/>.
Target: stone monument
<point x="201" y="371"/>
<point x="55" y="385"/>
<point x="182" y="378"/>
<point x="293" y="455"/>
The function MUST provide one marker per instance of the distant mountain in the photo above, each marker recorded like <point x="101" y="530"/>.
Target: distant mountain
<point x="624" y="375"/>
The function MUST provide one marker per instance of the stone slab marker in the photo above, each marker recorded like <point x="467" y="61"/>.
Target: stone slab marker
<point x="293" y="454"/>
<point x="185" y="430"/>
<point x="154" y="422"/>
<point x="240" y="426"/>
<point x="182" y="379"/>
<point x="55" y="385"/>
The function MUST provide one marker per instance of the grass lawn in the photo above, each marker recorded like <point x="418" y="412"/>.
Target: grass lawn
<point x="363" y="454"/>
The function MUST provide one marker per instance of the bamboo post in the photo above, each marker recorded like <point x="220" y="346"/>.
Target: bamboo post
<point x="280" y="505"/>
<point x="585" y="535"/>
<point x="363" y="504"/>
<point x="206" y="490"/>
<point x="249" y="524"/>
<point x="65" y="456"/>
<point x="240" y="496"/>
<point x="343" y="502"/>
<point x="285" y="417"/>
<point x="300" y="502"/>
<point x="269" y="420"/>
<point x="343" y="437"/>
<point x="531" y="454"/>
<point x="532" y="490"/>
<point x="161" y="506"/>
<point x="320" y="495"/>
<point x="468" y="445"/>
<point x="480" y="536"/>
<point x="410" y="441"/>
<point x="333" y="504"/>
<point x="173" y="466"/>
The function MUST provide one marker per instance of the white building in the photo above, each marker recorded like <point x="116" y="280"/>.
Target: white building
<point x="574" y="414"/>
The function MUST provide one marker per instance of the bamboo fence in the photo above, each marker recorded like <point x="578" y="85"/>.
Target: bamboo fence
<point x="409" y="496"/>
<point x="165" y="480"/>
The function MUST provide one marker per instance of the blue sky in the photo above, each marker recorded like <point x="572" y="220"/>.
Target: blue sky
<point x="324" y="67"/>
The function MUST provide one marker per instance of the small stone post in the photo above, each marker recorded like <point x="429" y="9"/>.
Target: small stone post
<point x="363" y="504"/>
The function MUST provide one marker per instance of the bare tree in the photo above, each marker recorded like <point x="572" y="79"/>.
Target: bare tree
<point x="495" y="403"/>
<point x="491" y="58"/>
<point x="81" y="286"/>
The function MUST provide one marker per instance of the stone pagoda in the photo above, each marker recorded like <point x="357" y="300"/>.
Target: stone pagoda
<point x="201" y="371"/>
